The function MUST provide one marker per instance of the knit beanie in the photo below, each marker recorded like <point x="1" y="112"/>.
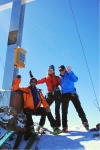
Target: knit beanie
<point x="51" y="67"/>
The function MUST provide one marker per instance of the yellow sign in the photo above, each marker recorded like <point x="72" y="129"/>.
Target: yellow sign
<point x="19" y="58"/>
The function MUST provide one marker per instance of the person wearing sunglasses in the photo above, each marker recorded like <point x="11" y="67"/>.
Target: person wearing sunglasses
<point x="69" y="93"/>
<point x="33" y="99"/>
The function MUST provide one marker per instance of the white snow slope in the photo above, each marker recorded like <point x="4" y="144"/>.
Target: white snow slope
<point x="76" y="139"/>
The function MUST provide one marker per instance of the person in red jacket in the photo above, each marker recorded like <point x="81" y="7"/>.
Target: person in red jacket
<point x="52" y="81"/>
<point x="33" y="98"/>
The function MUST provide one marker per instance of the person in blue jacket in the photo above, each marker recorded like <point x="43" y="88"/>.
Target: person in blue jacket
<point x="68" y="91"/>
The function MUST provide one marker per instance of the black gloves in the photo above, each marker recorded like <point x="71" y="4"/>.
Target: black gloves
<point x="18" y="76"/>
<point x="30" y="73"/>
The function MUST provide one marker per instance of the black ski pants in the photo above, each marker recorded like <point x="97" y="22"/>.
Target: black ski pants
<point x="51" y="97"/>
<point x="76" y="102"/>
<point x="38" y="112"/>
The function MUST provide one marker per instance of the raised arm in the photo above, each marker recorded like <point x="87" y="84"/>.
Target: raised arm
<point x="72" y="75"/>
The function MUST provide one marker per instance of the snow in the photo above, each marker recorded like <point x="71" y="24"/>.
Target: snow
<point x="77" y="138"/>
<point x="7" y="117"/>
<point x="4" y="97"/>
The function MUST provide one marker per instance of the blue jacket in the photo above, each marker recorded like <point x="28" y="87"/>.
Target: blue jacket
<point x="67" y="82"/>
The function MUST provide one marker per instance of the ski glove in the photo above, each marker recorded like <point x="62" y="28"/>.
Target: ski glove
<point x="30" y="73"/>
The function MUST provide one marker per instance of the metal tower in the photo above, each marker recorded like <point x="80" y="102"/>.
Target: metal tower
<point x="14" y="38"/>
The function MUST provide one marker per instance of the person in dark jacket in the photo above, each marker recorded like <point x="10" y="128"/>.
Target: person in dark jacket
<point x="68" y="91"/>
<point x="33" y="99"/>
<point x="52" y="81"/>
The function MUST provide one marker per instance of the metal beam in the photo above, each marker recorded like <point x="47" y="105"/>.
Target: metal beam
<point x="12" y="43"/>
<point x="8" y="5"/>
<point x="2" y="2"/>
<point x="14" y="39"/>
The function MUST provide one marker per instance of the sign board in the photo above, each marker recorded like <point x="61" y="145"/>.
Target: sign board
<point x="19" y="59"/>
<point x="12" y="38"/>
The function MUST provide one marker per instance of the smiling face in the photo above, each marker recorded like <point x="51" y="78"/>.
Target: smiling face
<point x="50" y="71"/>
<point x="62" y="71"/>
<point x="33" y="82"/>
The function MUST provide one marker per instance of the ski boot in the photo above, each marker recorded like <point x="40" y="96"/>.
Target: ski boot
<point x="65" y="129"/>
<point x="40" y="129"/>
<point x="56" y="130"/>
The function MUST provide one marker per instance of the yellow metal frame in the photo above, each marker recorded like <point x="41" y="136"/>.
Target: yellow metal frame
<point x="17" y="62"/>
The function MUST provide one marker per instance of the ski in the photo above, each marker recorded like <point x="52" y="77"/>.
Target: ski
<point x="2" y="135"/>
<point x="31" y="141"/>
<point x="18" y="141"/>
<point x="39" y="132"/>
<point x="44" y="132"/>
<point x="5" y="137"/>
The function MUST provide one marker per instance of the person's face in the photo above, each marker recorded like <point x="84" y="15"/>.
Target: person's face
<point x="62" y="72"/>
<point x="50" y="71"/>
<point x="33" y="83"/>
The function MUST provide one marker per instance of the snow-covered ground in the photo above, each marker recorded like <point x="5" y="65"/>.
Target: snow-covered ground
<point x="76" y="139"/>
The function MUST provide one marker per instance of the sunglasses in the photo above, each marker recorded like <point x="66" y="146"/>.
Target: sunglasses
<point x="50" y="70"/>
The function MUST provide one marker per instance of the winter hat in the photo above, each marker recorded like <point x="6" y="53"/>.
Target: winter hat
<point x="62" y="67"/>
<point x="51" y="67"/>
<point x="33" y="79"/>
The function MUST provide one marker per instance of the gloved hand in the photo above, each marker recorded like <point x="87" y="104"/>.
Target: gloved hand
<point x="69" y="69"/>
<point x="18" y="76"/>
<point x="30" y="73"/>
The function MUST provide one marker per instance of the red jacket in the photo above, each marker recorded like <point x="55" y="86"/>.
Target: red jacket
<point x="51" y="81"/>
<point x="28" y="98"/>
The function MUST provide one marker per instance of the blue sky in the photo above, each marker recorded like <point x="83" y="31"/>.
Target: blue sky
<point x="50" y="37"/>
